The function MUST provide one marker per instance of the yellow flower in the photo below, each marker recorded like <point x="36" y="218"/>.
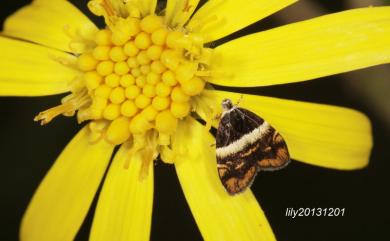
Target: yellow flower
<point x="138" y="82"/>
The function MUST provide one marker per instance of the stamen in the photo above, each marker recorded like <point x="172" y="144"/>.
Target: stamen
<point x="97" y="130"/>
<point x="138" y="143"/>
<point x="187" y="6"/>
<point x="70" y="105"/>
<point x="47" y="115"/>
<point x="164" y="139"/>
<point x="147" y="155"/>
<point x="77" y="85"/>
<point x="103" y="8"/>
<point x="106" y="4"/>
<point x="81" y="38"/>
<point x="167" y="155"/>
<point x="132" y="9"/>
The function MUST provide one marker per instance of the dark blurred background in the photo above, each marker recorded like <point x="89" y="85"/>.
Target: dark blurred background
<point x="27" y="151"/>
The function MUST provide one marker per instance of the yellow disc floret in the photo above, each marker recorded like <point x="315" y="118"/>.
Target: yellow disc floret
<point x="117" y="95"/>
<point x="118" y="131"/>
<point x="103" y="91"/>
<point x="103" y="37"/>
<point x="127" y="80"/>
<point x="142" y="101"/>
<point x="142" y="41"/>
<point x="130" y="49"/>
<point x="180" y="109"/>
<point x="105" y="68"/>
<point x="87" y="62"/>
<point x="169" y="78"/>
<point x="178" y="95"/>
<point x="117" y="54"/>
<point x="101" y="52"/>
<point x="150" y="113"/>
<point x="132" y="91"/>
<point x="139" y="124"/>
<point x="157" y="67"/>
<point x="111" y="112"/>
<point x="128" y="108"/>
<point x="154" y="52"/>
<point x="193" y="86"/>
<point x="160" y="103"/>
<point x="149" y="90"/>
<point x="121" y="68"/>
<point x="163" y="89"/>
<point x="159" y="36"/>
<point x="166" y="123"/>
<point x="112" y="80"/>
<point x="151" y="23"/>
<point x="92" y="80"/>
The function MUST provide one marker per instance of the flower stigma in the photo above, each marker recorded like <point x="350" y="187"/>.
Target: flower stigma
<point x="139" y="77"/>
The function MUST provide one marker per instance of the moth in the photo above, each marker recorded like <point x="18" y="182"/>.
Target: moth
<point x="245" y="145"/>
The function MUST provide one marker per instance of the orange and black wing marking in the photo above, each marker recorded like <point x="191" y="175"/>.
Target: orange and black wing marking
<point x="275" y="153"/>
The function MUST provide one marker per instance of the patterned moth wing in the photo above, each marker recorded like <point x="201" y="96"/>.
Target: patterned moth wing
<point x="245" y="145"/>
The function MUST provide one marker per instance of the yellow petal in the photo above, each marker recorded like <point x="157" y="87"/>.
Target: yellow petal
<point x="219" y="216"/>
<point x="44" y="22"/>
<point x="321" y="135"/>
<point x="124" y="210"/>
<point x="178" y="11"/>
<point x="306" y="50"/>
<point x="62" y="200"/>
<point x="32" y="70"/>
<point x="219" y="18"/>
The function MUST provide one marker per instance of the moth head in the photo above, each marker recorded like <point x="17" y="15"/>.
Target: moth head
<point x="227" y="104"/>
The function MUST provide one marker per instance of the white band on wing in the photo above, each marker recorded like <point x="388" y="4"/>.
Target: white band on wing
<point x="245" y="140"/>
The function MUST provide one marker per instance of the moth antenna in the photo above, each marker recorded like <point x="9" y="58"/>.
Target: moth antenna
<point x="240" y="99"/>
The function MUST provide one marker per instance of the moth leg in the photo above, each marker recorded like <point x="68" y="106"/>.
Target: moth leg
<point x="210" y="119"/>
<point x="217" y="116"/>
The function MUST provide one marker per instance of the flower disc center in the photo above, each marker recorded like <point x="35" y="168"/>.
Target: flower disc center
<point x="141" y="75"/>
